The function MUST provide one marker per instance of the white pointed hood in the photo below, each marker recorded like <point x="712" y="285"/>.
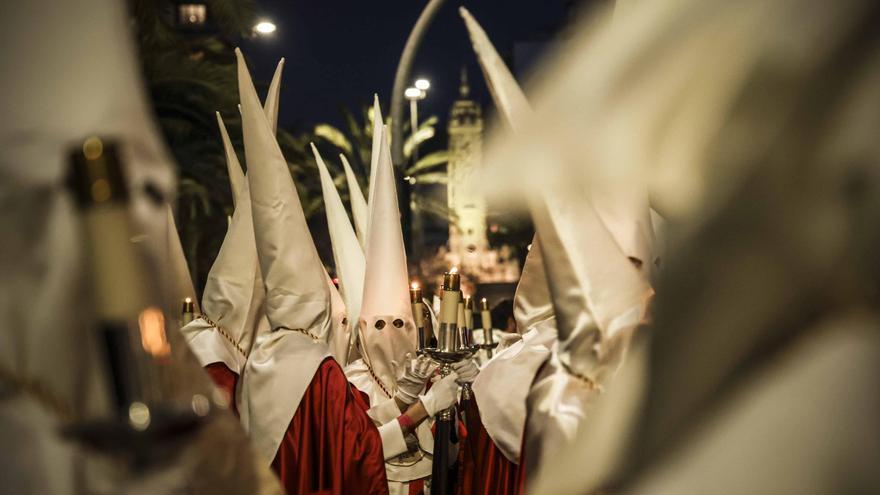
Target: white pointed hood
<point x="297" y="296"/>
<point x="299" y="303"/>
<point x="378" y="131"/>
<point x="387" y="330"/>
<point x="273" y="98"/>
<point x="180" y="286"/>
<point x="531" y="302"/>
<point x="347" y="255"/>
<point x="359" y="209"/>
<point x="598" y="295"/>
<point x="506" y="93"/>
<point x="231" y="301"/>
<point x="237" y="179"/>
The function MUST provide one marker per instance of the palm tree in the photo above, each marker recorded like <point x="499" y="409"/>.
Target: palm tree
<point x="189" y="76"/>
<point x="355" y="142"/>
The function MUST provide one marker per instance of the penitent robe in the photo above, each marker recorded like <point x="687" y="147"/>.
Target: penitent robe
<point x="484" y="469"/>
<point x="331" y="446"/>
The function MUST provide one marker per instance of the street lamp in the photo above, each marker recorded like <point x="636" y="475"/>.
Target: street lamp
<point x="418" y="91"/>
<point x="265" y="27"/>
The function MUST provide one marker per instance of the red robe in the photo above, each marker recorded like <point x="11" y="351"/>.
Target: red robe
<point x="484" y="469"/>
<point x="226" y="380"/>
<point x="331" y="446"/>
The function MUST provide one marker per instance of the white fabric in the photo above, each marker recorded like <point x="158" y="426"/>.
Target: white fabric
<point x="210" y="347"/>
<point x="297" y="295"/>
<point x="503" y="384"/>
<point x="557" y="404"/>
<point x="532" y="299"/>
<point x="442" y="395"/>
<point x="386" y="284"/>
<point x="273" y="97"/>
<point x="384" y="411"/>
<point x="506" y="93"/>
<point x="60" y="86"/>
<point x="347" y="255"/>
<point x="278" y="372"/>
<point x="415" y="375"/>
<point x="393" y="443"/>
<point x="282" y="364"/>
<point x="531" y="302"/>
<point x="599" y="297"/>
<point x="178" y="285"/>
<point x="233" y="296"/>
<point x="359" y="209"/>
<point x="405" y="467"/>
<point x="237" y="179"/>
<point x="340" y="325"/>
<point x="375" y="150"/>
<point x="467" y="370"/>
<point x="755" y="444"/>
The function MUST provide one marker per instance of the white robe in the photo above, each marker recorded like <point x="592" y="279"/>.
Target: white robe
<point x="503" y="385"/>
<point x="806" y="424"/>
<point x="401" y="466"/>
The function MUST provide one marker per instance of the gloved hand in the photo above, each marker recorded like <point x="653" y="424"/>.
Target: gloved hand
<point x="442" y="395"/>
<point x="415" y="374"/>
<point x="467" y="371"/>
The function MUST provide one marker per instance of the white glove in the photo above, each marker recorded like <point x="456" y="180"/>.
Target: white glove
<point x="415" y="374"/>
<point x="467" y="371"/>
<point x="442" y="395"/>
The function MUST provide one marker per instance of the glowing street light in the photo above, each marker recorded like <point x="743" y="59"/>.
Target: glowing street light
<point x="413" y="93"/>
<point x="265" y="27"/>
<point x="423" y="84"/>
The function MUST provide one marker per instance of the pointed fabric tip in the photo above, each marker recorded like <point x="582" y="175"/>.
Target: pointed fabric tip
<point x="506" y="92"/>
<point x="237" y="179"/>
<point x="347" y="253"/>
<point x="296" y="283"/>
<point x="359" y="209"/>
<point x="273" y="97"/>
<point x="232" y="297"/>
<point x="181" y="285"/>
<point x="386" y="281"/>
<point x="531" y="301"/>
<point x="374" y="151"/>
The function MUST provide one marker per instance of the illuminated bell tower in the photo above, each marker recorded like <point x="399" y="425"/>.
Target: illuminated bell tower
<point x="467" y="230"/>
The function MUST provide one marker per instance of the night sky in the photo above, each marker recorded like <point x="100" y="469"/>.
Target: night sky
<point x="339" y="52"/>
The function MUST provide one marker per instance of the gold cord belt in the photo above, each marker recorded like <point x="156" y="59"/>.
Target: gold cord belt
<point x="223" y="334"/>
<point x="302" y="331"/>
<point x="377" y="380"/>
<point x="592" y="385"/>
<point x="38" y="391"/>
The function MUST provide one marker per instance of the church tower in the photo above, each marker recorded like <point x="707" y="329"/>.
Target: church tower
<point x="467" y="228"/>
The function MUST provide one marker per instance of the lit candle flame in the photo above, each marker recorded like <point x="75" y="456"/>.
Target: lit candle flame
<point x="414" y="285"/>
<point x="151" y="323"/>
<point x="454" y="269"/>
<point x="188" y="300"/>
<point x="483" y="299"/>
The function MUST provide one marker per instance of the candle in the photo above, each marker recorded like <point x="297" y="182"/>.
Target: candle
<point x="465" y="332"/>
<point x="468" y="312"/>
<point x="449" y="311"/>
<point x="486" y="318"/>
<point x="418" y="310"/>
<point x="187" y="311"/>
